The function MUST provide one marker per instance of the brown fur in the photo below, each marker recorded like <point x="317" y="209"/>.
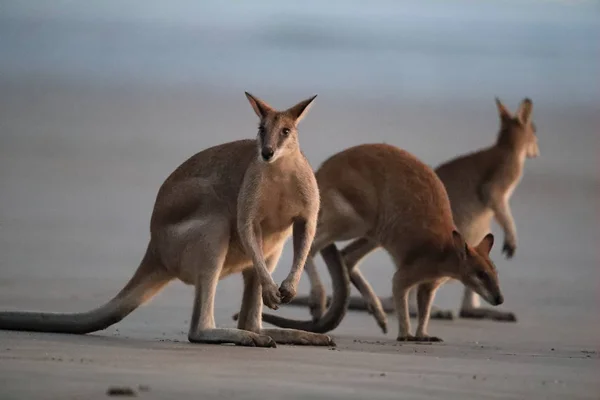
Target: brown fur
<point x="225" y="210"/>
<point x="385" y="194"/>
<point x="479" y="186"/>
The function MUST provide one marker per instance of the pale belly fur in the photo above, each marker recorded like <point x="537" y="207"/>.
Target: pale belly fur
<point x="237" y="260"/>
<point x="474" y="229"/>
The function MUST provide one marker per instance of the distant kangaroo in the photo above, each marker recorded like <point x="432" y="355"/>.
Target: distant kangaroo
<point x="479" y="186"/>
<point x="227" y="209"/>
<point x="385" y="194"/>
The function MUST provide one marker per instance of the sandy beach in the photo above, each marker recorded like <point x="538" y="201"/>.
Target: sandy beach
<point x="86" y="142"/>
<point x="74" y="223"/>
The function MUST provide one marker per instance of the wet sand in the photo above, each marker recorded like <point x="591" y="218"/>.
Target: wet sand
<point x="79" y="171"/>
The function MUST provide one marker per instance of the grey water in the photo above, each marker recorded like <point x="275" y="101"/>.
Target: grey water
<point x="459" y="49"/>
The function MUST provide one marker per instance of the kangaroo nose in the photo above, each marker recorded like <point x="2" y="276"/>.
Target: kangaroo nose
<point x="267" y="153"/>
<point x="499" y="299"/>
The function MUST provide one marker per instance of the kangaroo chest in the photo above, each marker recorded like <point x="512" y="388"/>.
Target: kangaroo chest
<point x="281" y="202"/>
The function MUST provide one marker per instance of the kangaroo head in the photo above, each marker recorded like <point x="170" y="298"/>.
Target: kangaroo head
<point x="477" y="271"/>
<point x="518" y="130"/>
<point x="277" y="130"/>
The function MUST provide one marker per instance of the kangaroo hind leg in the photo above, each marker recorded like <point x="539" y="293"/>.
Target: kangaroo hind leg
<point x="212" y="253"/>
<point x="250" y="317"/>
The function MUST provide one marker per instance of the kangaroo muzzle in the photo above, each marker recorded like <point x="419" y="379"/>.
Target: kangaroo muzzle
<point x="267" y="153"/>
<point x="498" y="299"/>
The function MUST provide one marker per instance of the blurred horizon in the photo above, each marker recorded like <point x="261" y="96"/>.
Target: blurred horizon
<point x="434" y="50"/>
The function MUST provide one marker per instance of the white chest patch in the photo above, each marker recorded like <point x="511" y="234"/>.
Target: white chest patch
<point x="513" y="186"/>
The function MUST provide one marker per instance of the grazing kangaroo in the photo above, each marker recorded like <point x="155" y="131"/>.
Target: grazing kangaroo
<point x="479" y="186"/>
<point x="385" y="194"/>
<point x="227" y="209"/>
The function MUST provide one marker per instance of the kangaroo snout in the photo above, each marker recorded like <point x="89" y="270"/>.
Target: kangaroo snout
<point x="267" y="153"/>
<point x="499" y="299"/>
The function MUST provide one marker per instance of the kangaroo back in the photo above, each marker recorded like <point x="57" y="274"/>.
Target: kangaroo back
<point x="391" y="197"/>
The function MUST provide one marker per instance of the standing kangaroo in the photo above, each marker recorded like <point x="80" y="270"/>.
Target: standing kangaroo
<point x="383" y="193"/>
<point x="227" y="209"/>
<point x="479" y="186"/>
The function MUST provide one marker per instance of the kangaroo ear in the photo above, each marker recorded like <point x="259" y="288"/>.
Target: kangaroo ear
<point x="260" y="107"/>
<point x="503" y="111"/>
<point x="486" y="244"/>
<point x="301" y="109"/>
<point x="525" y="110"/>
<point x="460" y="245"/>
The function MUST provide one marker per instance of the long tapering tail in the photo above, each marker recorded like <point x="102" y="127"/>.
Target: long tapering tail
<point x="148" y="279"/>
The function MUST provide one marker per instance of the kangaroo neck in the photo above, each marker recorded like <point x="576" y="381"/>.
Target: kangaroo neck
<point x="282" y="168"/>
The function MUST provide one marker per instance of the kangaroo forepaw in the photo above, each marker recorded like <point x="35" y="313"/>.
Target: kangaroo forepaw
<point x="488" y="313"/>
<point x="509" y="249"/>
<point x="382" y="323"/>
<point x="271" y="296"/>
<point x="380" y="316"/>
<point x="287" y="291"/>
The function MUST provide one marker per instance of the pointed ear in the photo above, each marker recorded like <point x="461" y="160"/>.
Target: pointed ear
<point x="486" y="244"/>
<point x="525" y="110"/>
<point x="460" y="245"/>
<point x="503" y="111"/>
<point x="260" y="107"/>
<point x="301" y="109"/>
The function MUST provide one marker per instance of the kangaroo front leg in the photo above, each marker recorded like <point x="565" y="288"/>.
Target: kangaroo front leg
<point x="503" y="215"/>
<point x="400" y="292"/>
<point x="435" y="312"/>
<point x="371" y="301"/>
<point x="471" y="309"/>
<point x="425" y="294"/>
<point x="353" y="255"/>
<point x="250" y="314"/>
<point x="403" y="281"/>
<point x="251" y="237"/>
<point x="304" y="233"/>
<point x="378" y="306"/>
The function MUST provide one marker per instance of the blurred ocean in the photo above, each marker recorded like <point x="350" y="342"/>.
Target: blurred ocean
<point x="459" y="49"/>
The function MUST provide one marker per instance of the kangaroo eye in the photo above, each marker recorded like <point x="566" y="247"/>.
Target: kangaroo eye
<point x="285" y="131"/>
<point x="261" y="132"/>
<point x="482" y="276"/>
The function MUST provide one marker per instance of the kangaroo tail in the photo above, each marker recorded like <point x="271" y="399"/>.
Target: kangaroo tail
<point x="352" y="254"/>
<point x="148" y="279"/>
<point x="339" y="302"/>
